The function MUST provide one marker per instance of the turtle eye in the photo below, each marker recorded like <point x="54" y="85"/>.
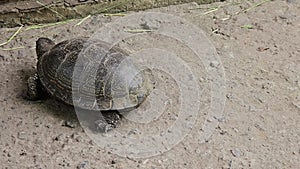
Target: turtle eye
<point x="141" y="95"/>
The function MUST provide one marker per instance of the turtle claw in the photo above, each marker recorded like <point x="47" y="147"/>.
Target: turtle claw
<point x="107" y="122"/>
<point x="32" y="88"/>
<point x="103" y="127"/>
<point x="35" y="90"/>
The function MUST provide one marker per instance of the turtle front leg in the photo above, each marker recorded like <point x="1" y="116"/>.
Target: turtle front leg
<point x="108" y="121"/>
<point x="33" y="88"/>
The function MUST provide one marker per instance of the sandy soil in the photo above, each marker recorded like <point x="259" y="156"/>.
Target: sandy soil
<point x="260" y="52"/>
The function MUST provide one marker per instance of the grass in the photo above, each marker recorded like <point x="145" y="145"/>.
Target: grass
<point x="54" y="11"/>
<point x="256" y="5"/>
<point x="138" y="30"/>
<point x="82" y="20"/>
<point x="39" y="26"/>
<point x="14" y="48"/>
<point x="13" y="36"/>
<point x="115" y="14"/>
<point x="247" y="27"/>
<point x="212" y="10"/>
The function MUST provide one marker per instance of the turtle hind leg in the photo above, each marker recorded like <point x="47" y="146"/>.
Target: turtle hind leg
<point x="34" y="88"/>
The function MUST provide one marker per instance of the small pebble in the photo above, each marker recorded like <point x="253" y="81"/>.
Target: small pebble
<point x="21" y="135"/>
<point x="133" y="131"/>
<point x="260" y="127"/>
<point x="236" y="130"/>
<point x="220" y="119"/>
<point x="48" y="126"/>
<point x="79" y="139"/>
<point x="70" y="124"/>
<point x="145" y="161"/>
<point x="59" y="137"/>
<point x="74" y="135"/>
<point x="173" y="117"/>
<point x="82" y="165"/>
<point x="253" y="108"/>
<point x="236" y="152"/>
<point x="23" y="153"/>
<point x="214" y="64"/>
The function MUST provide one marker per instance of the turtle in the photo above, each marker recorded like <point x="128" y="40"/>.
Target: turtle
<point x="114" y="88"/>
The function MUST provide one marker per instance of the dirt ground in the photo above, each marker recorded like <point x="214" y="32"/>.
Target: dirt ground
<point x="259" y="49"/>
<point x="28" y="12"/>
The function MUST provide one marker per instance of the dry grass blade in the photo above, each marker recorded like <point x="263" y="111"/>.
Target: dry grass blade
<point x="256" y="5"/>
<point x="138" y="30"/>
<point x="115" y="14"/>
<point x="14" y="48"/>
<point x="51" y="9"/>
<point x="13" y="36"/>
<point x="110" y="7"/>
<point x="212" y="10"/>
<point x="247" y="26"/>
<point x="47" y="25"/>
<point x="82" y="20"/>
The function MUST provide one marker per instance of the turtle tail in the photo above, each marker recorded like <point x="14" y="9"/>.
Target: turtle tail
<point x="43" y="45"/>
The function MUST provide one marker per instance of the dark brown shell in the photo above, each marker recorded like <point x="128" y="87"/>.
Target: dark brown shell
<point x="56" y="72"/>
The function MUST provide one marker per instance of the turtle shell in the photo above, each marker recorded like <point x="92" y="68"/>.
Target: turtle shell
<point x="92" y="75"/>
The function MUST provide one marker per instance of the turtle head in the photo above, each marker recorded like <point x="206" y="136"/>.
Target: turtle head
<point x="43" y="45"/>
<point x="130" y="87"/>
<point x="141" y="86"/>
